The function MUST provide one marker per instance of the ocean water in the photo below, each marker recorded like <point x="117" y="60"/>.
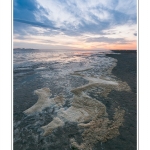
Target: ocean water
<point x="61" y="71"/>
<point x="34" y="69"/>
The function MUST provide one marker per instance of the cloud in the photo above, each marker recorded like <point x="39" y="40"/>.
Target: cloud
<point x="38" y="24"/>
<point x="135" y="34"/>
<point x="106" y="40"/>
<point x="25" y="9"/>
<point x="73" y="18"/>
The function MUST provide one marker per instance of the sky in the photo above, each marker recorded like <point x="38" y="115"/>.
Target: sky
<point x="75" y="24"/>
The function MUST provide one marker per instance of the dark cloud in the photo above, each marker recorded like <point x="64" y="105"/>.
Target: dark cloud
<point x="24" y="13"/>
<point x="106" y="39"/>
<point x="135" y="34"/>
<point x="38" y="24"/>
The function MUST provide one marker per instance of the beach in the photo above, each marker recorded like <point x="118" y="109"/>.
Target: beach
<point x="126" y="71"/>
<point x="75" y="100"/>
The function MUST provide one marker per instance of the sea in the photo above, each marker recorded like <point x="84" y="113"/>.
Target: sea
<point x="60" y="71"/>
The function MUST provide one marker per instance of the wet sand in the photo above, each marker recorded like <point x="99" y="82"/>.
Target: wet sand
<point x="126" y="71"/>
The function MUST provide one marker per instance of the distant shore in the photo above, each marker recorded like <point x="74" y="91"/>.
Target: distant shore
<point x="24" y="49"/>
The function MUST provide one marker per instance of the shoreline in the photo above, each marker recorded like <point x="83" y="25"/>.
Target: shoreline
<point x="126" y="68"/>
<point x="126" y="71"/>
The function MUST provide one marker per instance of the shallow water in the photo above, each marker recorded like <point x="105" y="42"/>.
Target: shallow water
<point x="53" y="69"/>
<point x="59" y="71"/>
